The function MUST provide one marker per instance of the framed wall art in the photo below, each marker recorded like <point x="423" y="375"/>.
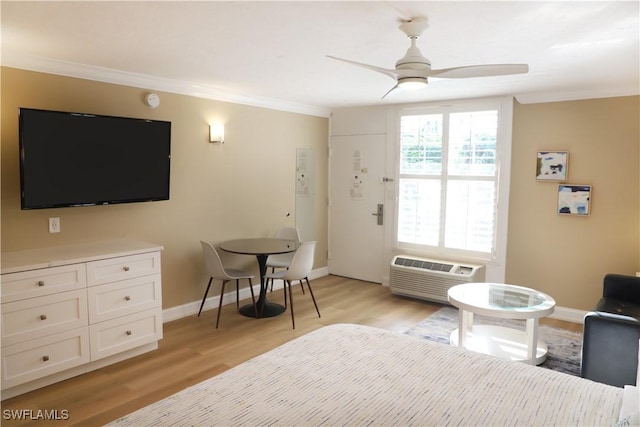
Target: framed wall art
<point x="552" y="165"/>
<point x="574" y="199"/>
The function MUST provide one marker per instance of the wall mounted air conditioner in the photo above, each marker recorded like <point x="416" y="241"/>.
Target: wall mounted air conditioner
<point x="430" y="279"/>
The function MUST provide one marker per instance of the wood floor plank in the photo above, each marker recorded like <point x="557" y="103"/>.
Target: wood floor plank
<point x="193" y="350"/>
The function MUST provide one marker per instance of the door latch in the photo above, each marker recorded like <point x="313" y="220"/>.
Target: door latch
<point x="380" y="214"/>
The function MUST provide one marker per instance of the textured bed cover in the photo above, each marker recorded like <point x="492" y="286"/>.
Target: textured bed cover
<point x="357" y="375"/>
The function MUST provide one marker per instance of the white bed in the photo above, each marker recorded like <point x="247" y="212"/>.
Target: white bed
<point x="351" y="375"/>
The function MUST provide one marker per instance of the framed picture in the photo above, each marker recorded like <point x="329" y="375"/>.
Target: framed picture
<point x="574" y="199"/>
<point x="552" y="165"/>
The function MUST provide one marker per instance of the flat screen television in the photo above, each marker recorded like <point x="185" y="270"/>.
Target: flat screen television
<point x="78" y="159"/>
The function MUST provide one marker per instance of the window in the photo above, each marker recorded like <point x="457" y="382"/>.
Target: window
<point x="449" y="181"/>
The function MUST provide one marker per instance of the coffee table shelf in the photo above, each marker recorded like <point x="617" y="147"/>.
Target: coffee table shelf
<point x="500" y="341"/>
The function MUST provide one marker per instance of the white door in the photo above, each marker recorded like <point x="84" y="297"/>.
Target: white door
<point x="356" y="190"/>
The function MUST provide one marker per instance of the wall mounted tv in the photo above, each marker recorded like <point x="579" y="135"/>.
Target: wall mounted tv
<point x="78" y="159"/>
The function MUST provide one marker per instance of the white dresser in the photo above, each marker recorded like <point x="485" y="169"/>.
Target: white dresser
<point x="68" y="310"/>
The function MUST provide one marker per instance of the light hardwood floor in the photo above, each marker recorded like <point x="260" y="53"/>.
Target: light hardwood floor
<point x="193" y="350"/>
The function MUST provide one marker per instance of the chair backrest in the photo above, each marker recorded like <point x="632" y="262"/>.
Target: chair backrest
<point x="212" y="262"/>
<point x="302" y="262"/>
<point x="288" y="233"/>
<point x="621" y="287"/>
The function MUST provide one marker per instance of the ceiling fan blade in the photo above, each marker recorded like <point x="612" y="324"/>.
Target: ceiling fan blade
<point x="479" y="71"/>
<point x="391" y="73"/>
<point x="393" y="90"/>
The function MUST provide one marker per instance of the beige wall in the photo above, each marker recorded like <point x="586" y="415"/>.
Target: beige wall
<point x="567" y="256"/>
<point x="218" y="192"/>
<point x="243" y="188"/>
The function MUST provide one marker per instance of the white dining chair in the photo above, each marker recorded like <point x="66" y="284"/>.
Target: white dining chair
<point x="216" y="271"/>
<point x="283" y="260"/>
<point x="299" y="269"/>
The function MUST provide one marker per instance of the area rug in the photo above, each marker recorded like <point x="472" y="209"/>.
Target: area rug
<point x="564" y="347"/>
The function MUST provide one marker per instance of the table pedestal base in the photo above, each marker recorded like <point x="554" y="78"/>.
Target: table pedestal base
<point x="270" y="309"/>
<point x="506" y="343"/>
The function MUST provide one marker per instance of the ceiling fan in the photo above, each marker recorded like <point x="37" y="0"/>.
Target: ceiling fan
<point x="413" y="70"/>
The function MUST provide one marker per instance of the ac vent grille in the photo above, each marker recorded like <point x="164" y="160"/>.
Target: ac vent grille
<point x="430" y="279"/>
<point x="427" y="265"/>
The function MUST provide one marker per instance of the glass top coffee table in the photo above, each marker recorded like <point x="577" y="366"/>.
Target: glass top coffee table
<point x="502" y="301"/>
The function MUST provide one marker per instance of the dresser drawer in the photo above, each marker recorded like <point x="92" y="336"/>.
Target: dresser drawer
<point x="38" y="317"/>
<point x="122" y="268"/>
<point x="35" y="283"/>
<point x="124" y="333"/>
<point x="122" y="298"/>
<point x="38" y="358"/>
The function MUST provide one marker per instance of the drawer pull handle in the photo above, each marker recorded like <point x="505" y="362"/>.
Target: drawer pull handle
<point x="41" y="283"/>
<point x="127" y="298"/>
<point x="126" y="268"/>
<point x="45" y="358"/>
<point x="43" y="317"/>
<point x="128" y="332"/>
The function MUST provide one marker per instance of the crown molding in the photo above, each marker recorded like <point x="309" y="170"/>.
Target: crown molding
<point x="542" y="97"/>
<point x="107" y="75"/>
<point x="41" y="64"/>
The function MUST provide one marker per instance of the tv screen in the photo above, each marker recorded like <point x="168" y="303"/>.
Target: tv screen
<point x="77" y="159"/>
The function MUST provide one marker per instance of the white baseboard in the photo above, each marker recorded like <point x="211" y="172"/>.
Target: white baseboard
<point x="191" y="308"/>
<point x="569" y="314"/>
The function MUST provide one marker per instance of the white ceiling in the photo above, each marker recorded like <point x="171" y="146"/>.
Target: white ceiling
<point x="274" y="53"/>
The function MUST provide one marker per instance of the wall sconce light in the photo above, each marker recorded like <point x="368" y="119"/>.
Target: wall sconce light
<point x="216" y="133"/>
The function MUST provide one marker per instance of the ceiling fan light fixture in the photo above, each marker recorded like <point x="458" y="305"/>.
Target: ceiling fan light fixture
<point x="413" y="69"/>
<point x="412" y="83"/>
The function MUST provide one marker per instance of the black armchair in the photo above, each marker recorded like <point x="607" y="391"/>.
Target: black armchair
<point x="612" y="332"/>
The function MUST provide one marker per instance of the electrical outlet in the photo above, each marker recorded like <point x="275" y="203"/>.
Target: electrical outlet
<point x="54" y="225"/>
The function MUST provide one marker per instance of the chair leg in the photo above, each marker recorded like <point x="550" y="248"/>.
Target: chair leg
<point x="224" y="282"/>
<point x="302" y="287"/>
<point x="273" y="270"/>
<point x="253" y="298"/>
<point x="312" y="297"/>
<point x="237" y="294"/>
<point x="293" y="321"/>
<point x="205" y="295"/>
<point x="284" y="288"/>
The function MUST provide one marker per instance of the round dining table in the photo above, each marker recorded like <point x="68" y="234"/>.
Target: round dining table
<point x="261" y="248"/>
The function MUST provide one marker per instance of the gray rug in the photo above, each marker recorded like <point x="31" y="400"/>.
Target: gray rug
<point x="564" y="347"/>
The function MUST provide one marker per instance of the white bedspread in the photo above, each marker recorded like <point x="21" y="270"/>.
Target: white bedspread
<point x="351" y="375"/>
